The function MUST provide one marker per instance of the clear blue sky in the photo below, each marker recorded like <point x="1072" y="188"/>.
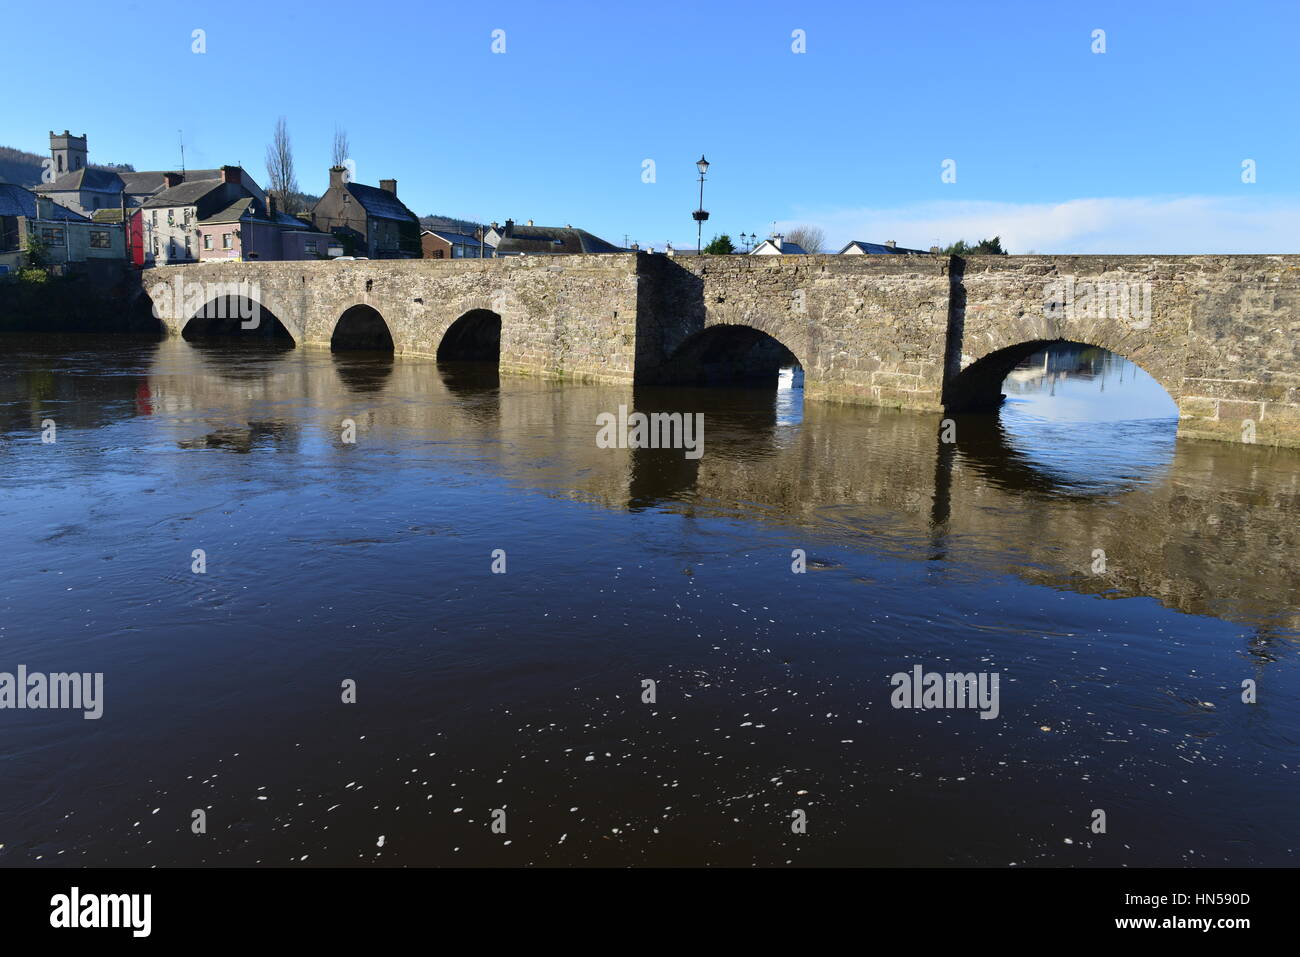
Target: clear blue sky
<point x="1057" y="148"/>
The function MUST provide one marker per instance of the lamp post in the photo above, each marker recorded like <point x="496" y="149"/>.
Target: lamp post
<point x="700" y="214"/>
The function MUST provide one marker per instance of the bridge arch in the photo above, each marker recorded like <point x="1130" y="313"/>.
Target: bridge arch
<point x="233" y="315"/>
<point x="474" y="337"/>
<point x="361" y="328"/>
<point x="728" y="354"/>
<point x="978" y="386"/>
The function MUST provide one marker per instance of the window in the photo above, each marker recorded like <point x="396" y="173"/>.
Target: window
<point x="187" y="217"/>
<point x="437" y="254"/>
<point x="99" y="239"/>
<point x="309" y="246"/>
<point x="155" y="247"/>
<point x="189" y="250"/>
<point x="207" y="240"/>
<point x="52" y="236"/>
<point x="155" y="218"/>
<point x="225" y="241"/>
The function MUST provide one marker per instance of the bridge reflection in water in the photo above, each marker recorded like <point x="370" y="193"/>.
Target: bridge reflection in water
<point x="1198" y="526"/>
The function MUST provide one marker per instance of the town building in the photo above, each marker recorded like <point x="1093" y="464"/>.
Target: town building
<point x="134" y="230"/>
<point x="172" y="216"/>
<point x="778" y="245"/>
<point x="84" y="189"/>
<point x="441" y="244"/>
<point x="890" y="248"/>
<point x="516" y="240"/>
<point x="370" y="222"/>
<point x="71" y="243"/>
<point x="249" y="229"/>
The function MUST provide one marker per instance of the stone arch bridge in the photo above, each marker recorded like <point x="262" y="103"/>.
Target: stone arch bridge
<point x="931" y="333"/>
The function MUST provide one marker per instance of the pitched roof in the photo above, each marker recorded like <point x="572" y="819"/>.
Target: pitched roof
<point x="787" y="248"/>
<point x="184" y="194"/>
<point x="236" y="211"/>
<point x="379" y="202"/>
<point x="148" y="182"/>
<point x="102" y="180"/>
<point x="458" y="239"/>
<point x="879" y="249"/>
<point x="550" y="240"/>
<point x="17" y="201"/>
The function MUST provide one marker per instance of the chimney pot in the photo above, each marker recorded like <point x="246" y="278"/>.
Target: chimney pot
<point x="336" y="176"/>
<point x="891" y="243"/>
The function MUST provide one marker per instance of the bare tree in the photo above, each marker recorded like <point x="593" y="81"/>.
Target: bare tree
<point x="279" y="168"/>
<point x="342" y="149"/>
<point x="810" y="238"/>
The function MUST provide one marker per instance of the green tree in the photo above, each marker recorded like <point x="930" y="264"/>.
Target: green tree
<point x="721" y="246"/>
<point x="985" y="247"/>
<point x="38" y="256"/>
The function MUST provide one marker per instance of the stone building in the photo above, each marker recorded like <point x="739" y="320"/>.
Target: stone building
<point x="72" y="242"/>
<point x="370" y="222"/>
<point x="85" y="189"/>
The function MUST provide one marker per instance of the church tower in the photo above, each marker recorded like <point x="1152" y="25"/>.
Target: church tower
<point x="68" y="152"/>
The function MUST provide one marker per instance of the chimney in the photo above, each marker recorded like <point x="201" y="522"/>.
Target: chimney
<point x="494" y="224"/>
<point x="777" y="240"/>
<point x="510" y="228"/>
<point x="388" y="186"/>
<point x="891" y="243"/>
<point x="336" y="176"/>
<point x="935" y="250"/>
<point x="232" y="174"/>
<point x="172" y="179"/>
<point x="270" y="206"/>
<point x="530" y="222"/>
<point x="44" y="207"/>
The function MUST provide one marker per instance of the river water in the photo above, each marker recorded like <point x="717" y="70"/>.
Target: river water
<point x="1120" y="583"/>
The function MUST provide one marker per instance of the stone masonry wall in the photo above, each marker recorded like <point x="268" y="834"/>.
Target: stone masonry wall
<point x="1222" y="334"/>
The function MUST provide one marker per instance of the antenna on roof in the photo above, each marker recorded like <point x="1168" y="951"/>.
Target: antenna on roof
<point x="181" y="135"/>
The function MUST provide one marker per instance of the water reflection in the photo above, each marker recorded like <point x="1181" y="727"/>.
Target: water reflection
<point x="1078" y="420"/>
<point x="372" y="559"/>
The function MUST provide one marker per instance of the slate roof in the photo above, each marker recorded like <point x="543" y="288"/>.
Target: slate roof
<point x="185" y="194"/>
<point x="17" y="201"/>
<point x="151" y="181"/>
<point x="85" y="178"/>
<point x="379" y="202"/>
<point x="787" y="248"/>
<point x="232" y="213"/>
<point x="880" y="249"/>
<point x="459" y="238"/>
<point x="550" y="240"/>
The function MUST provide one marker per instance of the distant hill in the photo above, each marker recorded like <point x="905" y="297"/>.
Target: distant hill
<point x="24" y="169"/>
<point x="448" y="224"/>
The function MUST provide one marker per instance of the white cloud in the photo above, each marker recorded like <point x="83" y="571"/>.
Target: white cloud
<point x="1190" y="224"/>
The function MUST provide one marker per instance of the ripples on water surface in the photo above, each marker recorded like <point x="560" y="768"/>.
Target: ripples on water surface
<point x="372" y="562"/>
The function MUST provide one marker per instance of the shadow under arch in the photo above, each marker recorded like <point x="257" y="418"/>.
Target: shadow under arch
<point x="237" y="319"/>
<point x="474" y="337"/>
<point x="727" y="354"/>
<point x="978" y="387"/>
<point x="361" y="328"/>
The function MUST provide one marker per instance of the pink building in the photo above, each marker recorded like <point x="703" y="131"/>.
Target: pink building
<point x="247" y="229"/>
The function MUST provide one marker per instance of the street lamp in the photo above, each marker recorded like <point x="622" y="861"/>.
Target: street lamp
<point x="701" y="214"/>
